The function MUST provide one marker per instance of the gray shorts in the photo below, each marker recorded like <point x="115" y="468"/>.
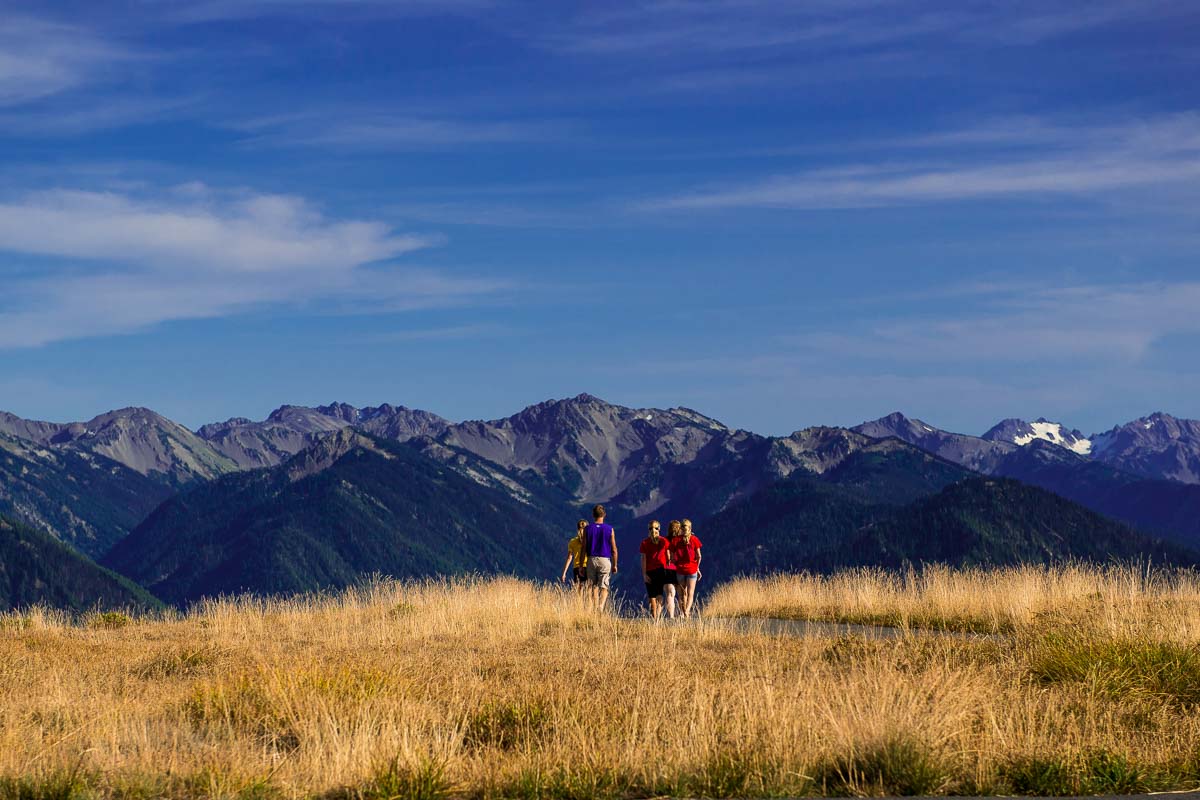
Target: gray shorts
<point x="599" y="571"/>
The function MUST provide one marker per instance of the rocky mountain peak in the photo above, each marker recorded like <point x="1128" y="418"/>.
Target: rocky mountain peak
<point x="1157" y="446"/>
<point x="898" y="425"/>
<point x="328" y="450"/>
<point x="28" y="429"/>
<point x="211" y="429"/>
<point x="341" y="411"/>
<point x="1019" y="432"/>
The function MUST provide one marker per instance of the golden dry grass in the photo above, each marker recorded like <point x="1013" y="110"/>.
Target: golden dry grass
<point x="498" y="688"/>
<point x="1112" y="599"/>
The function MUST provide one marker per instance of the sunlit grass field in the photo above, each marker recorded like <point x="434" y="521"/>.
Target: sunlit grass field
<point x="1083" y="680"/>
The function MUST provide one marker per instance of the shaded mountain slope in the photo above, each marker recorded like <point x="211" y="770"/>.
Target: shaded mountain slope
<point x="348" y="506"/>
<point x="990" y="522"/>
<point x="1048" y="456"/>
<point x="805" y="522"/>
<point x="1167" y="508"/>
<point x="792" y="523"/>
<point x="37" y="569"/>
<point x="83" y="499"/>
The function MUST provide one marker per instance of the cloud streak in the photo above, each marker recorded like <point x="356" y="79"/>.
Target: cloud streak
<point x="1140" y="154"/>
<point x="116" y="263"/>
<point x="663" y="28"/>
<point x="40" y="58"/>
<point x="1047" y="326"/>
<point x="342" y="129"/>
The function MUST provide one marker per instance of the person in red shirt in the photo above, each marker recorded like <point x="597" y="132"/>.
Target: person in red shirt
<point x="685" y="554"/>
<point x="675" y="528"/>
<point x="656" y="555"/>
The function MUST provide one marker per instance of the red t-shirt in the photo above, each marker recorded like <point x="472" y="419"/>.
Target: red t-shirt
<point x="657" y="552"/>
<point x="686" y="554"/>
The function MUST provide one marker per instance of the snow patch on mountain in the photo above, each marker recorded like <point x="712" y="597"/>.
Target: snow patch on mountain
<point x="1053" y="432"/>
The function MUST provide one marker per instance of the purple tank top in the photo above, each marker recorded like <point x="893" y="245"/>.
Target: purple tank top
<point x="599" y="540"/>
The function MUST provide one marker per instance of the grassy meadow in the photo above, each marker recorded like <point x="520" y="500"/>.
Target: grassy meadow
<point x="1087" y="681"/>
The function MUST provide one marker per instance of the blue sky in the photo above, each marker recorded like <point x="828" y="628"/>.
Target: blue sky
<point x="780" y="214"/>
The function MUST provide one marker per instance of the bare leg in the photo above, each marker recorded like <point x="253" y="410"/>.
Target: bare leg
<point x="655" y="607"/>
<point x="669" y="597"/>
<point x="689" y="592"/>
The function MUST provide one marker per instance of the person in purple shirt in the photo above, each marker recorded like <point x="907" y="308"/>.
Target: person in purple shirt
<point x="601" y="543"/>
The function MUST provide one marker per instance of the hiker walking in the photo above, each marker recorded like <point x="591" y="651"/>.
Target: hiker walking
<point x="600" y="542"/>
<point x="576" y="559"/>
<point x="656" y="554"/>
<point x="685" y="552"/>
<point x="671" y="575"/>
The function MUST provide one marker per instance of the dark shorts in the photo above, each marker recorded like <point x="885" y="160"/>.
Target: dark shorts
<point x="656" y="580"/>
<point x="580" y="574"/>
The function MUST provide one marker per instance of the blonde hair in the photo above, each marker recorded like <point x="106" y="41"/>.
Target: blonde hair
<point x="653" y="524"/>
<point x="686" y="526"/>
<point x="675" y="528"/>
<point x="583" y="523"/>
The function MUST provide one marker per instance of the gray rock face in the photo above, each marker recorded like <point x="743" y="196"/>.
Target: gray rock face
<point x="325" y="452"/>
<point x="399" y="423"/>
<point x="1157" y="446"/>
<point x="138" y="438"/>
<point x="592" y="448"/>
<point x="287" y="431"/>
<point x="28" y="429"/>
<point x="148" y="443"/>
<point x="290" y="429"/>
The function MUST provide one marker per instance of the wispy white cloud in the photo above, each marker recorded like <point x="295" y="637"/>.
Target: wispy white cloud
<point x="216" y="10"/>
<point x="1039" y="326"/>
<point x="39" y="58"/>
<point x="442" y="334"/>
<point x="92" y="114"/>
<point x="1134" y="154"/>
<point x="658" y="28"/>
<point x="1084" y="353"/>
<point x="351" y="129"/>
<point x="115" y="262"/>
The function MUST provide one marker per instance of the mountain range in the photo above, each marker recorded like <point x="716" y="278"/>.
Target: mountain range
<point x="313" y="497"/>
<point x="1159" y="447"/>
<point x="1121" y="474"/>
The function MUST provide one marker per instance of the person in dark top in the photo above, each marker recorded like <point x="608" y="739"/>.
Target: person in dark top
<point x="656" y="554"/>
<point x="600" y="541"/>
